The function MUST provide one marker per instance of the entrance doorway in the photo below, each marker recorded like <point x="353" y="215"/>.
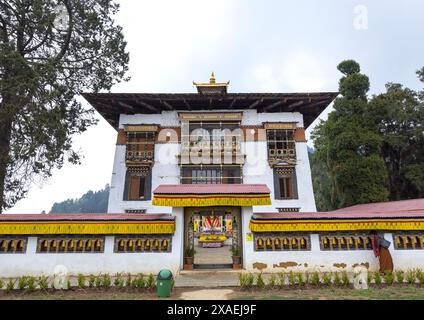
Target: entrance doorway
<point x="212" y="232"/>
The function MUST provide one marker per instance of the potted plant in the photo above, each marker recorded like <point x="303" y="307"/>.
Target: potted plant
<point x="189" y="258"/>
<point x="235" y="255"/>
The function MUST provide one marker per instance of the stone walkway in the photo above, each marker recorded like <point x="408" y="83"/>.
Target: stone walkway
<point x="207" y="279"/>
<point x="207" y="294"/>
<point x="213" y="255"/>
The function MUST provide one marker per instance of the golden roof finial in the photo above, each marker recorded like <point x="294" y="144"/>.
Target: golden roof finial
<point x="212" y="78"/>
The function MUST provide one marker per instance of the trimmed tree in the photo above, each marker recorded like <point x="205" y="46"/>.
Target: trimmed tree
<point x="347" y="148"/>
<point x="51" y="51"/>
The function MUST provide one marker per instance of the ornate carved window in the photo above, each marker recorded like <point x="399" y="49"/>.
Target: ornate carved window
<point x="285" y="183"/>
<point x="143" y="243"/>
<point x="281" y="242"/>
<point x="140" y="144"/>
<point x="11" y="244"/>
<point x="409" y="241"/>
<point x="70" y="244"/>
<point x="345" y="241"/>
<point x="138" y="183"/>
<point x="204" y="174"/>
<point x="281" y="146"/>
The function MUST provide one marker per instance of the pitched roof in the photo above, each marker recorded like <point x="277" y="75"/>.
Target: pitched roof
<point x="111" y="105"/>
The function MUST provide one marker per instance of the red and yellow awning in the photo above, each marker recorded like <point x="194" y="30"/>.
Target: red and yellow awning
<point x="206" y="195"/>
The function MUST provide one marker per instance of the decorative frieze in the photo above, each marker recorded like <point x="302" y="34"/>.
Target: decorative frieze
<point x="11" y="244"/>
<point x="409" y="241"/>
<point x="210" y="116"/>
<point x="141" y="243"/>
<point x="345" y="241"/>
<point x="279" y="241"/>
<point x="288" y="209"/>
<point x="70" y="244"/>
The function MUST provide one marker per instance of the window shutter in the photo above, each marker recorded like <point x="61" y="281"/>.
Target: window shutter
<point x="134" y="191"/>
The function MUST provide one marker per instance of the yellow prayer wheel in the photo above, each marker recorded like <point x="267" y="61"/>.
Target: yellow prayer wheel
<point x="3" y="244"/>
<point x="89" y="243"/>
<point x="98" y="245"/>
<point x="294" y="241"/>
<point x="79" y="244"/>
<point x="302" y="241"/>
<point x="268" y="242"/>
<point x="260" y="242"/>
<point x="71" y="244"/>
<point x="277" y="242"/>
<point x="165" y="244"/>
<point x="156" y="243"/>
<point x="342" y="241"/>
<point x="139" y="243"/>
<point x="147" y="243"/>
<point x="350" y="240"/>
<point x="325" y="240"/>
<point x="285" y="241"/>
<point x="334" y="241"/>
<point x="63" y="244"/>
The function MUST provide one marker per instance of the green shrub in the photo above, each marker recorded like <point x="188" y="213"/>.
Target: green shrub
<point x="306" y="278"/>
<point x="68" y="284"/>
<point x="260" y="281"/>
<point x="31" y="282"/>
<point x="81" y="281"/>
<point x="300" y="280"/>
<point x="369" y="277"/>
<point x="420" y="276"/>
<point x="292" y="278"/>
<point x="22" y="283"/>
<point x="345" y="279"/>
<point x="43" y="282"/>
<point x="10" y="285"/>
<point x="282" y="279"/>
<point x="128" y="283"/>
<point x="272" y="281"/>
<point x="314" y="279"/>
<point x="91" y="280"/>
<point x="1" y="283"/>
<point x="399" y="276"/>
<point x="151" y="281"/>
<point x="250" y="278"/>
<point x="410" y="276"/>
<point x="337" y="280"/>
<point x="389" y="278"/>
<point x="118" y="281"/>
<point x="98" y="280"/>
<point x="242" y="280"/>
<point x="139" y="281"/>
<point x="326" y="279"/>
<point x="106" y="281"/>
<point x="377" y="278"/>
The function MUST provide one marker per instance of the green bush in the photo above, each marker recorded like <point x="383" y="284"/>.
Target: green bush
<point x="118" y="281"/>
<point x="369" y="277"/>
<point x="337" y="280"/>
<point x="22" y="283"/>
<point x="31" y="282"/>
<point x="91" y="280"/>
<point x="1" y="283"/>
<point x="43" y="282"/>
<point x="315" y="279"/>
<point x="292" y="278"/>
<point x="306" y="278"/>
<point x="249" y="280"/>
<point x="345" y="279"/>
<point x="106" y="281"/>
<point x="68" y="284"/>
<point x="400" y="276"/>
<point x="139" y="281"/>
<point x="10" y="285"/>
<point x="282" y="279"/>
<point x="300" y="280"/>
<point x="151" y="281"/>
<point x="420" y="276"/>
<point x="272" y="281"/>
<point x="98" y="280"/>
<point x="128" y="283"/>
<point x="242" y="280"/>
<point x="377" y="278"/>
<point x="410" y="276"/>
<point x="389" y="278"/>
<point x="326" y="279"/>
<point x="81" y="281"/>
<point x="260" y="281"/>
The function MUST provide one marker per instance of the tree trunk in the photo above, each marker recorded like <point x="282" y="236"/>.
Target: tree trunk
<point x="5" y="133"/>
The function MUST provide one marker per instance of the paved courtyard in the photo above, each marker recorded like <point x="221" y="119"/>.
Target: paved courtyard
<point x="213" y="255"/>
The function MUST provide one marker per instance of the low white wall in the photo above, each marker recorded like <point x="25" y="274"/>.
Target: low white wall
<point x="321" y="261"/>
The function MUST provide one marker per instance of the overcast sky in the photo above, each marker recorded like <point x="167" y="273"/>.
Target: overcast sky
<point x="260" y="46"/>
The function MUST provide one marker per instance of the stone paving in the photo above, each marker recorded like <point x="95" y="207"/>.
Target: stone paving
<point x="206" y="294"/>
<point x="207" y="279"/>
<point x="212" y="255"/>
